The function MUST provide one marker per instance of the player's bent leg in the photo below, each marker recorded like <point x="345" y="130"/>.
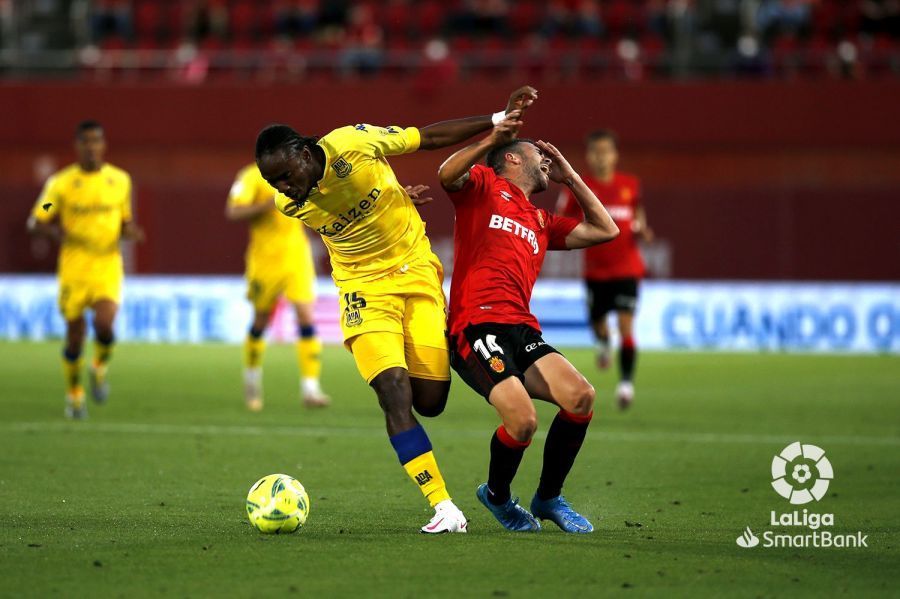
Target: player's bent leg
<point x="553" y="378"/>
<point x="71" y="361"/>
<point x="104" y="319"/>
<point x="253" y="351"/>
<point x="600" y="327"/>
<point x="309" y="357"/>
<point x="380" y="359"/>
<point x="627" y="359"/>
<point x="508" y="445"/>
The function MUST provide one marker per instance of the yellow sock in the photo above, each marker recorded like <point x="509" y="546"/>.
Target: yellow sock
<point x="253" y="351"/>
<point x="309" y="357"/>
<point x="72" y="375"/>
<point x="102" y="354"/>
<point x="425" y="473"/>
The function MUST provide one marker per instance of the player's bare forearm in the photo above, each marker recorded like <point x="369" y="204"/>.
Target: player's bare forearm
<point x="448" y="133"/>
<point x="249" y="211"/>
<point x="50" y="230"/>
<point x="598" y="226"/>
<point x="455" y="169"/>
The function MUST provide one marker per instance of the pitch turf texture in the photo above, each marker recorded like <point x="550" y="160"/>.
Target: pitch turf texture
<point x="147" y="497"/>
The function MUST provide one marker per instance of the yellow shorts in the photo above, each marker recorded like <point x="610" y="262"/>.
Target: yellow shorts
<point x="296" y="283"/>
<point x="77" y="295"/>
<point x="399" y="320"/>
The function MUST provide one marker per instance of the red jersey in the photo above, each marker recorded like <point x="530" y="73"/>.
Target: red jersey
<point x="619" y="258"/>
<point x="500" y="241"/>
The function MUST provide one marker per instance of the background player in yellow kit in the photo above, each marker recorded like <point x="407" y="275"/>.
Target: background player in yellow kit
<point x="87" y="208"/>
<point x="389" y="280"/>
<point x="279" y="262"/>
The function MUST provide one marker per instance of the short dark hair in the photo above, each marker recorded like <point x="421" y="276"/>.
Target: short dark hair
<point x="496" y="158"/>
<point x="87" y="125"/>
<point x="281" y="137"/>
<point x="601" y="134"/>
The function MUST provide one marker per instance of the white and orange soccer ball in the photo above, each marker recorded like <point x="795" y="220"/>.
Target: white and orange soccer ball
<point x="277" y="504"/>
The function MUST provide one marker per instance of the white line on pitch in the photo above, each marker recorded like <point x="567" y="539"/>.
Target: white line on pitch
<point x="598" y="434"/>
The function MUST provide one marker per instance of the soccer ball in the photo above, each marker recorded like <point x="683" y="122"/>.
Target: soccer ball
<point x="277" y="504"/>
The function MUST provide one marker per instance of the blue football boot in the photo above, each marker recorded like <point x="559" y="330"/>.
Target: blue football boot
<point x="511" y="515"/>
<point x="559" y="511"/>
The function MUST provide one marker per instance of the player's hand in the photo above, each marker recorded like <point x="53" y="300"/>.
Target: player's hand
<point x="506" y="130"/>
<point x="646" y="233"/>
<point x="560" y="169"/>
<point x="415" y="194"/>
<point x="521" y="99"/>
<point x="132" y="232"/>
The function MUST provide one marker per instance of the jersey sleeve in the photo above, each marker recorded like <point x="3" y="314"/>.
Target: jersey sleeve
<point x="127" y="214"/>
<point x="559" y="228"/>
<point x="387" y="141"/>
<point x="473" y="187"/>
<point x="49" y="202"/>
<point x="243" y="190"/>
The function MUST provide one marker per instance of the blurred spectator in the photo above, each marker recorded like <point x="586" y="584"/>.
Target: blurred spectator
<point x="880" y="17"/>
<point x="296" y="19"/>
<point x="584" y="21"/>
<point x="783" y="17"/>
<point x="364" y="49"/>
<point x="206" y="19"/>
<point x="111" y="18"/>
<point x="480" y="18"/>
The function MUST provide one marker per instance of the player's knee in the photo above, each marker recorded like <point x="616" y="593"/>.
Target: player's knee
<point x="392" y="388"/>
<point x="582" y="396"/>
<point x="522" y="427"/>
<point x="430" y="397"/>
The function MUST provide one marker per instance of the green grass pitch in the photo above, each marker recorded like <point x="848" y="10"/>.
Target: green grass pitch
<point x="146" y="498"/>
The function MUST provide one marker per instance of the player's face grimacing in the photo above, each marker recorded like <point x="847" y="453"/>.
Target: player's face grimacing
<point x="291" y="173"/>
<point x="536" y="167"/>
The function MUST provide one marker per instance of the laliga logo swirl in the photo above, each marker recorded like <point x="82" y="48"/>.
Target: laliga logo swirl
<point x="801" y="473"/>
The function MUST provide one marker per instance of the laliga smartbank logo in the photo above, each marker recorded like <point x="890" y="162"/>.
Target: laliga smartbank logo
<point x="801" y="474"/>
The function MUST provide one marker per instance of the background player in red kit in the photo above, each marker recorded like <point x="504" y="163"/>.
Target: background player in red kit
<point x="612" y="271"/>
<point x="496" y="345"/>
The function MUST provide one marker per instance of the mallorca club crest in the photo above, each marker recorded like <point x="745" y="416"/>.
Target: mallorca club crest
<point x="496" y="364"/>
<point x="540" y="216"/>
<point x="341" y="167"/>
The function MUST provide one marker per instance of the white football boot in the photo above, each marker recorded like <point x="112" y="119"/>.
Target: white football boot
<point x="253" y="389"/>
<point x="625" y="394"/>
<point x="313" y="396"/>
<point x="447" y="518"/>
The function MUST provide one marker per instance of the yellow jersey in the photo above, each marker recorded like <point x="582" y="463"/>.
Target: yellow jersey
<point x="365" y="217"/>
<point x="91" y="207"/>
<point x="275" y="241"/>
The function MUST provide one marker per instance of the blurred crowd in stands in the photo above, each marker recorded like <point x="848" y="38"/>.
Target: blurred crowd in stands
<point x="632" y="39"/>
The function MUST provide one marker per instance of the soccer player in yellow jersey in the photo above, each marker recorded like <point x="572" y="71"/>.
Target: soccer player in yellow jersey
<point x="389" y="280"/>
<point x="87" y="208"/>
<point x="279" y="262"/>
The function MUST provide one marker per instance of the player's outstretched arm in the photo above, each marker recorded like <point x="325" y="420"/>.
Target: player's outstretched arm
<point x="455" y="171"/>
<point x="598" y="225"/>
<point x="448" y="133"/>
<point x="49" y="229"/>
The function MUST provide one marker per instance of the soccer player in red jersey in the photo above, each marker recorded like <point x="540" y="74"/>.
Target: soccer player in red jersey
<point x="612" y="271"/>
<point x="495" y="342"/>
